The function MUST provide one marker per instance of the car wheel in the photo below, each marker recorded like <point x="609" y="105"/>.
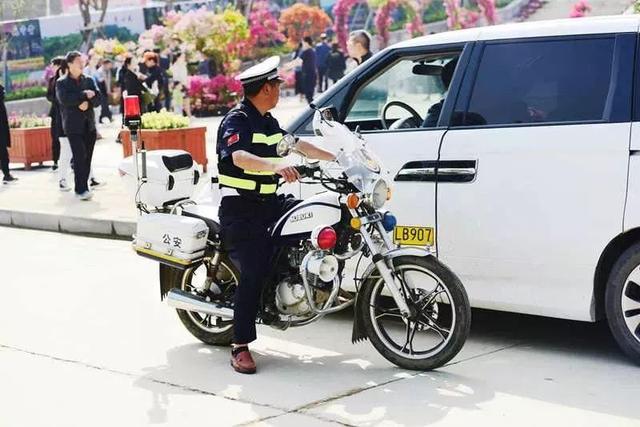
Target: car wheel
<point x="622" y="302"/>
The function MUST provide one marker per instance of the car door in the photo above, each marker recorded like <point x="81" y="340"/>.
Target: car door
<point x="410" y="77"/>
<point x="536" y="162"/>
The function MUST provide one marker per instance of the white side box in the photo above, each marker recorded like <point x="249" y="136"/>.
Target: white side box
<point x="172" y="175"/>
<point x="171" y="238"/>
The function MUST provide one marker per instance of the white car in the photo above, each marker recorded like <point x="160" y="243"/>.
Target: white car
<point x="519" y="147"/>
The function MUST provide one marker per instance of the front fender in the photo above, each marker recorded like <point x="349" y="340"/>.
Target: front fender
<point x="358" y="333"/>
<point x="395" y="253"/>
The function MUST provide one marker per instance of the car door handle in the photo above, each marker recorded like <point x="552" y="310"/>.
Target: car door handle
<point x="457" y="171"/>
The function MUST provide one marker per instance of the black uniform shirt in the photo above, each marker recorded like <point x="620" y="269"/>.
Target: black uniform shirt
<point x="237" y="129"/>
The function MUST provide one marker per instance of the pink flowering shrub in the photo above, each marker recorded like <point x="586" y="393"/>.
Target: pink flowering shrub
<point x="341" y="10"/>
<point x="289" y="78"/>
<point x="27" y="83"/>
<point x="209" y="93"/>
<point x="459" y="17"/>
<point x="488" y="9"/>
<point x="383" y="21"/>
<point x="580" y="9"/>
<point x="415" y="26"/>
<point x="263" y="26"/>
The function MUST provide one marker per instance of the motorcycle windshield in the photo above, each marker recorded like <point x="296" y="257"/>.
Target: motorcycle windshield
<point x="360" y="165"/>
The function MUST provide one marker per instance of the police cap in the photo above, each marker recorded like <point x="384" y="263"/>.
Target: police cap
<point x="263" y="72"/>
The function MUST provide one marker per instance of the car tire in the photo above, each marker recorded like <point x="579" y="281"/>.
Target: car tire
<point x="622" y="302"/>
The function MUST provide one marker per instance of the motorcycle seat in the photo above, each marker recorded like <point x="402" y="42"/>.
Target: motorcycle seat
<point x="207" y="213"/>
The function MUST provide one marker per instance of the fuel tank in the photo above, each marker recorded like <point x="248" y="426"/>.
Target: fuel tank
<point x="321" y="209"/>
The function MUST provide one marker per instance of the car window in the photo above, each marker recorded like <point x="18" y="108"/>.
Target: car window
<point x="540" y="81"/>
<point x="415" y="82"/>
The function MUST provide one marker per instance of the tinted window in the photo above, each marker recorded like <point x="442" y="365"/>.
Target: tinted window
<point x="541" y="81"/>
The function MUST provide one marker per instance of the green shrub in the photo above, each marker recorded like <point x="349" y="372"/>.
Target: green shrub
<point x="28" y="93"/>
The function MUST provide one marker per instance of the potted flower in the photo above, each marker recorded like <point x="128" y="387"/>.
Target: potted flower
<point x="30" y="139"/>
<point x="165" y="130"/>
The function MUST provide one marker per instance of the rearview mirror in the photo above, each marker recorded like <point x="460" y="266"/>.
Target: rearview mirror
<point x="329" y="113"/>
<point x="286" y="145"/>
<point x="427" y="70"/>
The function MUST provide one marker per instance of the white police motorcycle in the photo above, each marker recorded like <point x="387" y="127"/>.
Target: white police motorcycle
<point x="413" y="308"/>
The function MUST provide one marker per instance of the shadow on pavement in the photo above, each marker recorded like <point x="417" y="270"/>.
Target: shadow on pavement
<point x="556" y="362"/>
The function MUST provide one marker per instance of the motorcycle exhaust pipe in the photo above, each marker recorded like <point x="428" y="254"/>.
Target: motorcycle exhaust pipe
<point x="178" y="298"/>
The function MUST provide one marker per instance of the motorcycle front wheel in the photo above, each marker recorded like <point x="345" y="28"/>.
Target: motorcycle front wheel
<point x="440" y="318"/>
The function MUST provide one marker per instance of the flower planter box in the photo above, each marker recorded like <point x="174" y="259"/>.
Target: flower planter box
<point x="30" y="145"/>
<point x="192" y="139"/>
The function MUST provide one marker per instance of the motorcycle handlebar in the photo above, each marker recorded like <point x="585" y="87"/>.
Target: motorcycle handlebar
<point x="305" y="171"/>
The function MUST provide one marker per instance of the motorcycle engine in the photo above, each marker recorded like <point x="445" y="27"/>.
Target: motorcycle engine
<point x="291" y="298"/>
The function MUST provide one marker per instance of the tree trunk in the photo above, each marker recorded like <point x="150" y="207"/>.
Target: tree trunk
<point x="85" y="11"/>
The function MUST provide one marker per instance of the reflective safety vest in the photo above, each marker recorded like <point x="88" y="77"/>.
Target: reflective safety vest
<point x="257" y="182"/>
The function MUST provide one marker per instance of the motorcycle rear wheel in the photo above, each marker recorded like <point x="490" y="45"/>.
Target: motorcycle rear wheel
<point x="441" y="315"/>
<point x="208" y="329"/>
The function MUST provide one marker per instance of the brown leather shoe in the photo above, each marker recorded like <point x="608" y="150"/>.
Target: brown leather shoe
<point x="241" y="360"/>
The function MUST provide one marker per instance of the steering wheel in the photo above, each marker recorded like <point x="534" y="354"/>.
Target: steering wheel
<point x="414" y="121"/>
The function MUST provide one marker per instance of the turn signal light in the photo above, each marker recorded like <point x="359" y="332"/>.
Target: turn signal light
<point x="355" y="223"/>
<point x="353" y="201"/>
<point x="324" y="238"/>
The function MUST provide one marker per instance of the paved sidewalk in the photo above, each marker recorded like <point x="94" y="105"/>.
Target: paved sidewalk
<point x="35" y="201"/>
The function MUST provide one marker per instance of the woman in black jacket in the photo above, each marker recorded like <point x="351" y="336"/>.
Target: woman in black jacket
<point x="133" y="83"/>
<point x="5" y="141"/>
<point x="60" y="67"/>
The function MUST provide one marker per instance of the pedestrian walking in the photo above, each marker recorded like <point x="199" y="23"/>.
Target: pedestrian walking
<point x="104" y="80"/>
<point x="359" y="46"/>
<point x="154" y="80"/>
<point x="309" y="66"/>
<point x="180" y="82"/>
<point x="57" y="64"/>
<point x="322" y="54"/>
<point x="5" y="141"/>
<point x="78" y="95"/>
<point x="297" y="72"/>
<point x="336" y="63"/>
<point x="62" y="150"/>
<point x="164" y="62"/>
<point x="132" y="83"/>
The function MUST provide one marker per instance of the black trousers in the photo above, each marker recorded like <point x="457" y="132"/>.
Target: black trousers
<point x="55" y="142"/>
<point x="323" y="80"/>
<point x="4" y="159"/>
<point x="104" y="102"/>
<point x="245" y="223"/>
<point x="82" y="150"/>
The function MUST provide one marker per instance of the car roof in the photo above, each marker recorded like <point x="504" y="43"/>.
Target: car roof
<point x="557" y="27"/>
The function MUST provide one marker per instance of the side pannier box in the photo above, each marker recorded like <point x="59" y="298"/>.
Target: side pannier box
<point x="172" y="175"/>
<point x="174" y="240"/>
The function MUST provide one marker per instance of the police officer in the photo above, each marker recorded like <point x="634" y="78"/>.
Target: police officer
<point x="249" y="169"/>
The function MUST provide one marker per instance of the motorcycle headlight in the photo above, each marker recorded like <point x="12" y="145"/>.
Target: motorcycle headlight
<point x="380" y="194"/>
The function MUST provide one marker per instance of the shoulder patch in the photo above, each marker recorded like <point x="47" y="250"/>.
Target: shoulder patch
<point x="233" y="139"/>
